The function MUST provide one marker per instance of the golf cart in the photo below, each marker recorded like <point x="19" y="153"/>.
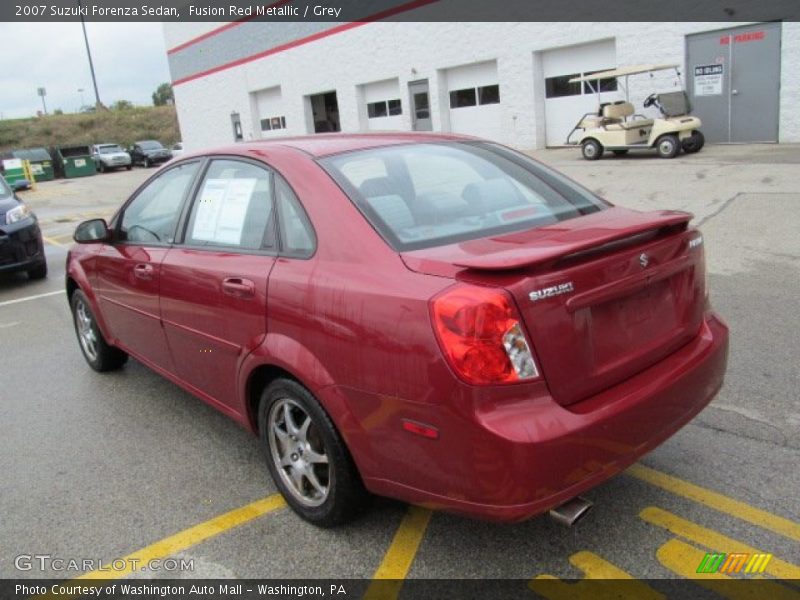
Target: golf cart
<point x="616" y="126"/>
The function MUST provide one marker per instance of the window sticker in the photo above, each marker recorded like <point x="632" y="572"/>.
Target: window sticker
<point x="222" y="209"/>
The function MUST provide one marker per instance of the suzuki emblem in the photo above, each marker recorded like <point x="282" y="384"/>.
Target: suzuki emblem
<point x="644" y="260"/>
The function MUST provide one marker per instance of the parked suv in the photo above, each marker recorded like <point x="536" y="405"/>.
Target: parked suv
<point x="148" y="153"/>
<point x="429" y="317"/>
<point x="21" y="247"/>
<point x="110" y="156"/>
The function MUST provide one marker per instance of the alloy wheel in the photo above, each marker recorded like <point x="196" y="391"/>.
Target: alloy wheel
<point x="86" y="331"/>
<point x="298" y="452"/>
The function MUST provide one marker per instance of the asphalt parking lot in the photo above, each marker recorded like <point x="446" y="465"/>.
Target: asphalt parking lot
<point x="127" y="464"/>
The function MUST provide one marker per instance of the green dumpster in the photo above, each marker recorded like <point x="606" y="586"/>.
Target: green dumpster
<point x="74" y="161"/>
<point x="40" y="160"/>
<point x="13" y="171"/>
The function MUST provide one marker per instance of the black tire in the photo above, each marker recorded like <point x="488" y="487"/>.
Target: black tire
<point x="128" y="167"/>
<point x="694" y="143"/>
<point x="592" y="149"/>
<point x="106" y="357"/>
<point x="102" y="168"/>
<point x="345" y="496"/>
<point x="38" y="272"/>
<point x="620" y="152"/>
<point x="146" y="163"/>
<point x="668" y="146"/>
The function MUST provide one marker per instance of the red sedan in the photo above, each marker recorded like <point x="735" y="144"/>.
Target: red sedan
<point x="429" y="317"/>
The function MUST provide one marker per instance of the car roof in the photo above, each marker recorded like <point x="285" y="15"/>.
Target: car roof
<point x="326" y="144"/>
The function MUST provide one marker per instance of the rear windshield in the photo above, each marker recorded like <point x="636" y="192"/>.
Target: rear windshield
<point x="111" y="148"/>
<point x="150" y="145"/>
<point x="426" y="195"/>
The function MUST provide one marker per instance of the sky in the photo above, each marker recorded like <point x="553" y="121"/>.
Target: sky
<point x="130" y="62"/>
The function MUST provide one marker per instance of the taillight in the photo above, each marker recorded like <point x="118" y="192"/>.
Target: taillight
<point x="481" y="336"/>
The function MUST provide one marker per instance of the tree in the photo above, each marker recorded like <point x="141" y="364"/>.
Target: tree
<point x="122" y="105"/>
<point x="58" y="111"/>
<point x="163" y="95"/>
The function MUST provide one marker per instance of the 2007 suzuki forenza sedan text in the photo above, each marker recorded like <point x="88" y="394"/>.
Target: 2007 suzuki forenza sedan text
<point x="428" y="317"/>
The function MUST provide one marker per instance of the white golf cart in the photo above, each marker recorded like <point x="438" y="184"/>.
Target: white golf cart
<point x="615" y="125"/>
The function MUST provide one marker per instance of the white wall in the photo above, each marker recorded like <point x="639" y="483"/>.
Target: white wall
<point x="412" y="51"/>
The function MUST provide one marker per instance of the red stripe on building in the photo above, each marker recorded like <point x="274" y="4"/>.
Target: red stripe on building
<point x="222" y="28"/>
<point x="295" y="43"/>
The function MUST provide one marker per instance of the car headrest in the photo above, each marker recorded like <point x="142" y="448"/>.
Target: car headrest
<point x="378" y="186"/>
<point x="393" y="210"/>
<point x="491" y="194"/>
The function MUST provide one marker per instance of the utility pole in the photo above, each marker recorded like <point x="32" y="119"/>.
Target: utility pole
<point x="89" y="54"/>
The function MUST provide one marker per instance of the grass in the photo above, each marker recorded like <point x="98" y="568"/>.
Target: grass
<point x="121" y="126"/>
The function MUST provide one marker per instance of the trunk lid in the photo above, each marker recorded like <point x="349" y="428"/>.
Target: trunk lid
<point x="602" y="296"/>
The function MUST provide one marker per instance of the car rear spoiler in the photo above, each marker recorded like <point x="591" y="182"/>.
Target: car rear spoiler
<point x="576" y="236"/>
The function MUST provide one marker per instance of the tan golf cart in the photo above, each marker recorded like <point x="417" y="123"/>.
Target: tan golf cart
<point x="616" y="126"/>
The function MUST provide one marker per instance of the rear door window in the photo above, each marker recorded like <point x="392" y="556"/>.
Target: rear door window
<point x="233" y="207"/>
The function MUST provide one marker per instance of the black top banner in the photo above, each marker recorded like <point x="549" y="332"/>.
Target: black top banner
<point x="400" y="10"/>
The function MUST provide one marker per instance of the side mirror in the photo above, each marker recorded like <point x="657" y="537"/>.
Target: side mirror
<point x="92" y="231"/>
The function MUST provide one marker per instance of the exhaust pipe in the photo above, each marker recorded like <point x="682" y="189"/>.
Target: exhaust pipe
<point x="571" y="511"/>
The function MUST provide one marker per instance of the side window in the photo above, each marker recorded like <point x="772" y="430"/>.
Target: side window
<point x="297" y="236"/>
<point x="233" y="207"/>
<point x="152" y="215"/>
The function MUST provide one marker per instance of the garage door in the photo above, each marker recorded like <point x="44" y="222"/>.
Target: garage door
<point x="733" y="82"/>
<point x="382" y="105"/>
<point x="269" y="112"/>
<point x="474" y="95"/>
<point x="565" y="103"/>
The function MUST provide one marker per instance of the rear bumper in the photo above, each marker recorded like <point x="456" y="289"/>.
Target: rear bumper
<point x="21" y="246"/>
<point x="521" y="457"/>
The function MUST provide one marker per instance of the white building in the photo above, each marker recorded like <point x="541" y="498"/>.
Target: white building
<point x="503" y="81"/>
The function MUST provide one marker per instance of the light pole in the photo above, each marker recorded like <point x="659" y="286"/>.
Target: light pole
<point x="42" y="93"/>
<point x="91" y="64"/>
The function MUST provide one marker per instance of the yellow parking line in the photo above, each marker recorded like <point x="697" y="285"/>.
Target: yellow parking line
<point x="182" y="540"/>
<point x="683" y="559"/>
<point x="624" y="585"/>
<point x="596" y="567"/>
<point x="717" y="501"/>
<point x="713" y="540"/>
<point x="52" y="242"/>
<point x="388" y="578"/>
<point x="194" y="535"/>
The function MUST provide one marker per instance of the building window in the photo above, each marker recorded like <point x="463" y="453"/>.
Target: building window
<point x="606" y="85"/>
<point x="463" y="98"/>
<point x="384" y="108"/>
<point x="395" y="108"/>
<point x="273" y="123"/>
<point x="376" y="110"/>
<point x="559" y="87"/>
<point x="489" y="94"/>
